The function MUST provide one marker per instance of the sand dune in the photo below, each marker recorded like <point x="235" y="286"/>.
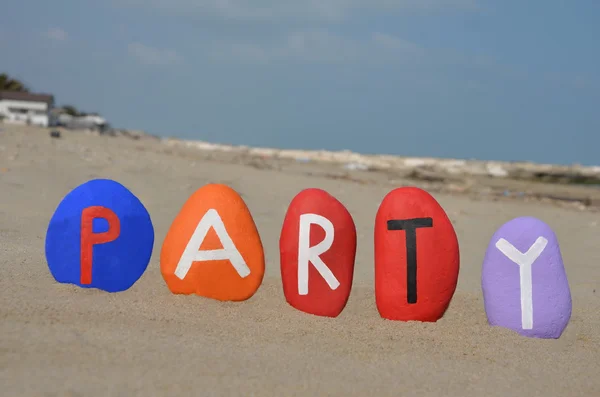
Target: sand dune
<point x="58" y="340"/>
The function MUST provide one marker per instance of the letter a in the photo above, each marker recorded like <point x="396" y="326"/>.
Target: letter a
<point x="524" y="260"/>
<point x="307" y="253"/>
<point x="89" y="238"/>
<point x="192" y="252"/>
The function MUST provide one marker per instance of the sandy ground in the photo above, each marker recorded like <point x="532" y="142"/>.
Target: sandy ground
<point x="57" y="340"/>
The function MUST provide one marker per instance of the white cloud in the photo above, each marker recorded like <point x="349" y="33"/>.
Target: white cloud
<point x="318" y="46"/>
<point x="572" y="81"/>
<point x="396" y="44"/>
<point x="303" y="45"/>
<point x="153" y="56"/>
<point x="246" y="52"/>
<point x="56" y="34"/>
<point x="262" y="10"/>
<point x="321" y="46"/>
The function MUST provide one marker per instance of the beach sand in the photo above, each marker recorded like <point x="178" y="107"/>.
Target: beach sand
<point x="60" y="340"/>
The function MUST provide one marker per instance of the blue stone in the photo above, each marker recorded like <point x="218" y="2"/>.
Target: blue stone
<point x="116" y="245"/>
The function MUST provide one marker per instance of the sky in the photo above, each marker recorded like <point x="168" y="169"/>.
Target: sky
<point x="485" y="79"/>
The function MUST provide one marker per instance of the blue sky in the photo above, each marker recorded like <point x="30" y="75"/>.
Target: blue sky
<point x="487" y="79"/>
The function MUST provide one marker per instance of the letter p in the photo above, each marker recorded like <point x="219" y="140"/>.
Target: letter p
<point x="89" y="238"/>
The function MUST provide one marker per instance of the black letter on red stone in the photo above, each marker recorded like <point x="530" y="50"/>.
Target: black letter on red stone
<point x="410" y="227"/>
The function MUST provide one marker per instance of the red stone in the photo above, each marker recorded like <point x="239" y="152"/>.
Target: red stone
<point x="400" y="292"/>
<point x="319" y="297"/>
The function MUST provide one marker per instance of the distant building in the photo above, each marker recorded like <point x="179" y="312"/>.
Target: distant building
<point x="25" y="107"/>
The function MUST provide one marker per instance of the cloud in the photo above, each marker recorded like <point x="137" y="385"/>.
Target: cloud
<point x="262" y="10"/>
<point x="304" y="29"/>
<point x="320" y="46"/>
<point x="396" y="44"/>
<point x="153" y="56"/>
<point x="317" y="46"/>
<point x="576" y="81"/>
<point x="56" y="34"/>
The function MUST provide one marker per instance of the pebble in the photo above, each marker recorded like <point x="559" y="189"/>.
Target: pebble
<point x="317" y="252"/>
<point x="100" y="236"/>
<point x="524" y="282"/>
<point x="416" y="257"/>
<point x="213" y="248"/>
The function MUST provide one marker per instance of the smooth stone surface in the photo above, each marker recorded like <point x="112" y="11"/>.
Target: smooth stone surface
<point x="524" y="283"/>
<point x="412" y="228"/>
<point x="213" y="248"/>
<point x="318" y="247"/>
<point x="100" y="236"/>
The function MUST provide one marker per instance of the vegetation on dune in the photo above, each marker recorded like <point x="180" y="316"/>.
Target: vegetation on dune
<point x="9" y="84"/>
<point x="71" y="110"/>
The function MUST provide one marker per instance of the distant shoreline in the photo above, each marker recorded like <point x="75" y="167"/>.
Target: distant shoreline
<point x="574" y="187"/>
<point x="369" y="154"/>
<point x="575" y="174"/>
<point x="518" y="170"/>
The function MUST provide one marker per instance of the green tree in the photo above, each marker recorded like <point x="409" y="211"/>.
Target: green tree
<point x="70" y="110"/>
<point x="9" y="84"/>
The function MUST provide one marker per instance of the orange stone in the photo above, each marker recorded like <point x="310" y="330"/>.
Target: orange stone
<point x="213" y="248"/>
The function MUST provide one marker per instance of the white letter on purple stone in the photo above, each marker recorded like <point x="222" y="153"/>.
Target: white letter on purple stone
<point x="524" y="260"/>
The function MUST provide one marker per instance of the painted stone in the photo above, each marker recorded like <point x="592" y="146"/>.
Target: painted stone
<point x="524" y="283"/>
<point x="100" y="236"/>
<point x="213" y="248"/>
<point x="317" y="250"/>
<point x="416" y="257"/>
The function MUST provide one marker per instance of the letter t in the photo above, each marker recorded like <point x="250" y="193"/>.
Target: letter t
<point x="410" y="227"/>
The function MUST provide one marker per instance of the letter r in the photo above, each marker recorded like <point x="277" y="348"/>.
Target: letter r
<point x="89" y="238"/>
<point x="306" y="253"/>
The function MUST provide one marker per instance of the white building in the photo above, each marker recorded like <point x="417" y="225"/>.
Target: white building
<point x="88" y="121"/>
<point x="25" y="107"/>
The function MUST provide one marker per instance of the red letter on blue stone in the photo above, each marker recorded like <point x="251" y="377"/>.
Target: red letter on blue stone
<point x="89" y="238"/>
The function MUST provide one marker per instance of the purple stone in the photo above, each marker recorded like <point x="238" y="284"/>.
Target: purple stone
<point x="533" y="297"/>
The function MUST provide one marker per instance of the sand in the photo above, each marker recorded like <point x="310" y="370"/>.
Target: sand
<point x="59" y="340"/>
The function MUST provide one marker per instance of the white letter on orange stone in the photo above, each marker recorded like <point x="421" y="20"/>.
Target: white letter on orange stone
<point x="524" y="260"/>
<point x="307" y="253"/>
<point x="192" y="252"/>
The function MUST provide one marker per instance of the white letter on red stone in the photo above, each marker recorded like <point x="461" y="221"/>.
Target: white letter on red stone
<point x="306" y="253"/>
